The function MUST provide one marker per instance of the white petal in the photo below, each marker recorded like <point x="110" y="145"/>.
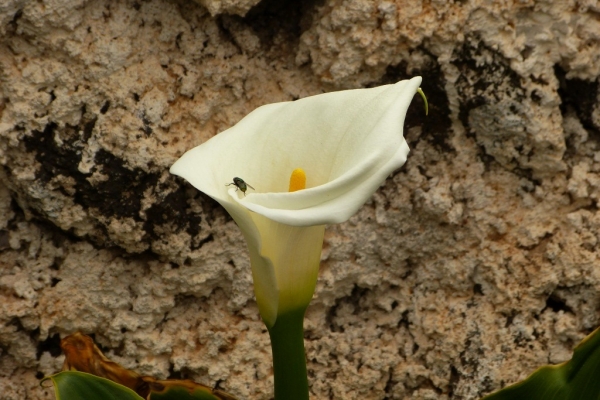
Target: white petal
<point x="343" y="140"/>
<point x="342" y="199"/>
<point x="295" y="252"/>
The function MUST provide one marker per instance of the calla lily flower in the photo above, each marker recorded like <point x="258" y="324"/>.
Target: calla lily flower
<point x="345" y="143"/>
<point x="335" y="150"/>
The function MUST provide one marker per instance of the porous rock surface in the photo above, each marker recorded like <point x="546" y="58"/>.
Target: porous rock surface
<point x="471" y="266"/>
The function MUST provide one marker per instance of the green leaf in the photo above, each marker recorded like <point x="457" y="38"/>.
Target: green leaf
<point x="83" y="356"/>
<point x="75" y="385"/>
<point x="180" y="393"/>
<point x="576" y="379"/>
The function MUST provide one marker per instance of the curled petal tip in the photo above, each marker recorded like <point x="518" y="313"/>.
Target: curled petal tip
<point x="420" y="91"/>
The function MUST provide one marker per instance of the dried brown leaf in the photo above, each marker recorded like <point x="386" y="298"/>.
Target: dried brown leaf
<point x="84" y="356"/>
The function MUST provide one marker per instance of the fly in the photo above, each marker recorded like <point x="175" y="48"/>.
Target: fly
<point x="240" y="184"/>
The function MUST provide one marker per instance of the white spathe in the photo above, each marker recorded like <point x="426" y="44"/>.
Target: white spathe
<point x="347" y="142"/>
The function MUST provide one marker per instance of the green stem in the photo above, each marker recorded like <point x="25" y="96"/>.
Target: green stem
<point x="289" y="359"/>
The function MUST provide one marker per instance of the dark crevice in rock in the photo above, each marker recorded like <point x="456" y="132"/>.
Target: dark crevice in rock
<point x="58" y="240"/>
<point x="510" y="318"/>
<point x="224" y="23"/>
<point x="16" y="322"/>
<point x="389" y="385"/>
<point x="329" y="318"/>
<point x="410" y="267"/>
<point x="404" y="321"/>
<point x="187" y="301"/>
<point x="146" y="129"/>
<point x="437" y="126"/>
<point x="526" y="174"/>
<point x="271" y="18"/>
<point x="415" y="348"/>
<point x="582" y="96"/>
<point x="453" y="382"/>
<point x="14" y="23"/>
<point x="354" y="300"/>
<point x="208" y="239"/>
<point x="51" y="345"/>
<point x="488" y="161"/>
<point x="556" y="304"/>
<point x="4" y="240"/>
<point x="105" y="107"/>
<point x="183" y="373"/>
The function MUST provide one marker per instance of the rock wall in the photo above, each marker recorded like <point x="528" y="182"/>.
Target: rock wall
<point x="472" y="265"/>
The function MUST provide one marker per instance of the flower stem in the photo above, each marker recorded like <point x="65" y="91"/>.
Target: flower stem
<point x="289" y="359"/>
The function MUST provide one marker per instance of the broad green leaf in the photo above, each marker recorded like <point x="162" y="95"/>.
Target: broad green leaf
<point x="82" y="355"/>
<point x="178" y="391"/>
<point x="576" y="379"/>
<point x="75" y="385"/>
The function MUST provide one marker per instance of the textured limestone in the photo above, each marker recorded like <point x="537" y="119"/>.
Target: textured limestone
<point x="236" y="7"/>
<point x="471" y="266"/>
